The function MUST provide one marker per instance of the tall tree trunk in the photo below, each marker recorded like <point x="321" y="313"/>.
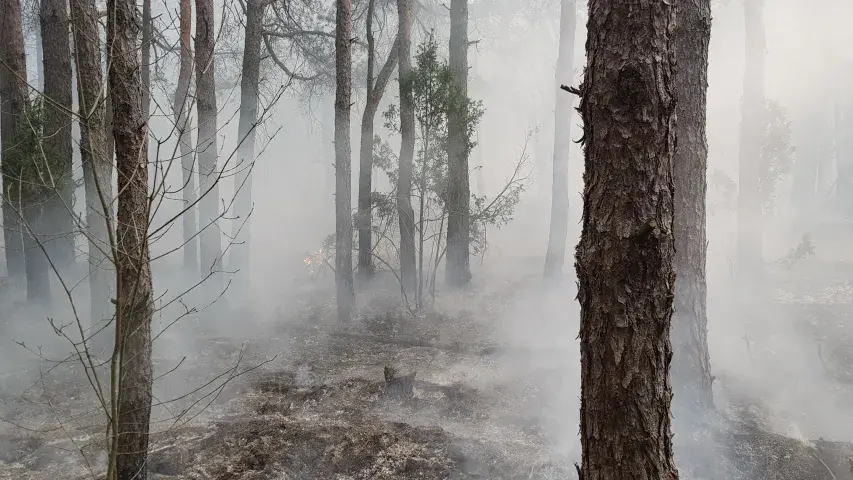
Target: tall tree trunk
<point x="249" y="98"/>
<point x="375" y="90"/>
<point x="146" y="59"/>
<point x="14" y="102"/>
<point x="58" y="209"/>
<point x="691" y="371"/>
<point x="211" y="246"/>
<point x="844" y="154"/>
<point x="626" y="252"/>
<point x="97" y="167"/>
<point x="749" y="237"/>
<point x="182" y="106"/>
<point x="134" y="299"/>
<point x="458" y="272"/>
<point x="407" y="149"/>
<point x="343" y="169"/>
<point x="37" y="263"/>
<point x="555" y="257"/>
<point x="39" y="59"/>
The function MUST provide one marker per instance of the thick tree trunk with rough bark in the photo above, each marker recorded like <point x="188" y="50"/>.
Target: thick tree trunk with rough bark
<point x="181" y="107"/>
<point x="691" y="370"/>
<point x="375" y="90"/>
<point x="555" y="256"/>
<point x="343" y="169"/>
<point x="97" y="167"/>
<point x="247" y="129"/>
<point x="134" y="298"/>
<point x="14" y="102"/>
<point x="211" y="245"/>
<point x="407" y="149"/>
<point x="625" y="256"/>
<point x="458" y="271"/>
<point x="749" y="236"/>
<point x="58" y="209"/>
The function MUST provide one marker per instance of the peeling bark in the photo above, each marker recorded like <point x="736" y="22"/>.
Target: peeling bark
<point x="625" y="255"/>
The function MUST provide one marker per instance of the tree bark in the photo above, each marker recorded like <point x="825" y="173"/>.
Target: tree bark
<point x="749" y="237"/>
<point x="555" y="256"/>
<point x="458" y="272"/>
<point x="691" y="371"/>
<point x="146" y="59"/>
<point x="134" y="299"/>
<point x="249" y="98"/>
<point x="181" y="107"/>
<point x="211" y="246"/>
<point x="375" y="90"/>
<point x="625" y="256"/>
<point x="97" y="167"/>
<point x="14" y="102"/>
<point x="59" y="207"/>
<point x="407" y="149"/>
<point x="37" y="263"/>
<point x="343" y="169"/>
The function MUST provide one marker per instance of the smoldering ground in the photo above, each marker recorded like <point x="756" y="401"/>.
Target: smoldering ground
<point x="269" y="386"/>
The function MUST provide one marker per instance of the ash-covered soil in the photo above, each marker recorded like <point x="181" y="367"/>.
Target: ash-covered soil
<point x="484" y="391"/>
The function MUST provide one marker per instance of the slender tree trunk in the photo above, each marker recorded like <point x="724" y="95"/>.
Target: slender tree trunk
<point x="626" y="252"/>
<point x="97" y="168"/>
<point x="211" y="246"/>
<point x="375" y="91"/>
<point x="749" y="238"/>
<point x="407" y="149"/>
<point x="182" y="106"/>
<point x="343" y="169"/>
<point x="39" y="59"/>
<point x="459" y="189"/>
<point x="108" y="122"/>
<point x="146" y="59"/>
<point x="38" y="265"/>
<point x="249" y="98"/>
<point x="422" y="194"/>
<point x="844" y="155"/>
<point x="556" y="254"/>
<point x="59" y="207"/>
<point x="134" y="300"/>
<point x="14" y="102"/>
<point x="691" y="371"/>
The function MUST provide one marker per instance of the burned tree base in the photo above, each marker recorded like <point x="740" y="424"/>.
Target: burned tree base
<point x="398" y="387"/>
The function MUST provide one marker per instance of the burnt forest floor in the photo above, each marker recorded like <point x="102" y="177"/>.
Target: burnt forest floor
<point x="299" y="396"/>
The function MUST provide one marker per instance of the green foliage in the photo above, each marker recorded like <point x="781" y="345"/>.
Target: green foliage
<point x="777" y="152"/>
<point x="435" y="97"/>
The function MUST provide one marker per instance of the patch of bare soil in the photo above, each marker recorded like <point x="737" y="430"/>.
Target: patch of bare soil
<point x="389" y="397"/>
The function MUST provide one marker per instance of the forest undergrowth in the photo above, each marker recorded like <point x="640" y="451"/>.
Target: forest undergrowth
<point x="481" y="387"/>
